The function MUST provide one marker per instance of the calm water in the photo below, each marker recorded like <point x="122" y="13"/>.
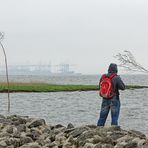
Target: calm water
<point x="79" y="107"/>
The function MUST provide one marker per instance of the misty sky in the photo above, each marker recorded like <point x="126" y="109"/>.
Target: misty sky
<point x="86" y="33"/>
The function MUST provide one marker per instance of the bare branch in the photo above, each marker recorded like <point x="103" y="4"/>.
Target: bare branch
<point x="1" y="38"/>
<point x="128" y="61"/>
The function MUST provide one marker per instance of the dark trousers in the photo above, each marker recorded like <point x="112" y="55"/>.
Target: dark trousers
<point x="107" y="105"/>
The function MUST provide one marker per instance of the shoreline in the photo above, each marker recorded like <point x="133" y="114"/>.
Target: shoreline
<point x="25" y="132"/>
<point x="45" y="87"/>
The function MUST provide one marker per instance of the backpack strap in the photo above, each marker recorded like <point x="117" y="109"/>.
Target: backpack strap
<point x="112" y="75"/>
<point x="103" y="76"/>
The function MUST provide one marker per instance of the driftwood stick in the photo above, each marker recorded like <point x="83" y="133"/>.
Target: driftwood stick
<point x="1" y="38"/>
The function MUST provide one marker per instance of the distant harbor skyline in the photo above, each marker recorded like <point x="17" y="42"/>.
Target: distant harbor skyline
<point x="40" y="69"/>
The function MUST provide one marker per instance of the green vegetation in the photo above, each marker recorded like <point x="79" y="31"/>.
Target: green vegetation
<point x="44" y="87"/>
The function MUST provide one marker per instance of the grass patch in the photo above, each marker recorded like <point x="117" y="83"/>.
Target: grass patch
<point x="44" y="87"/>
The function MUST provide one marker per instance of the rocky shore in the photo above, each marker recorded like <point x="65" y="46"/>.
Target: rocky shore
<point x="24" y="132"/>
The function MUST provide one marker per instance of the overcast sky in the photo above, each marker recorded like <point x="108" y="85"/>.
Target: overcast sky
<point x="86" y="33"/>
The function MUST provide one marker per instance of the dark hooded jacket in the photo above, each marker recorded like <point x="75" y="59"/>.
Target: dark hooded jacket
<point x="116" y="80"/>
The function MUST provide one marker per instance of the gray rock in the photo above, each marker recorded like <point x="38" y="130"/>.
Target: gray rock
<point x="68" y="145"/>
<point x="9" y="129"/>
<point x="10" y="146"/>
<point x="31" y="145"/>
<point x="114" y="128"/>
<point x="131" y="145"/>
<point x="16" y="120"/>
<point x="47" y="140"/>
<point x="5" y="121"/>
<point x="108" y="146"/>
<point x="97" y="139"/>
<point x="117" y="134"/>
<point x="101" y="131"/>
<point x="45" y="129"/>
<point x="3" y="144"/>
<point x="60" y="138"/>
<point x="2" y="117"/>
<point x="58" y="126"/>
<point x="13" y="141"/>
<point x="21" y="128"/>
<point x="108" y="140"/>
<point x="99" y="145"/>
<point x="136" y="134"/>
<point x="69" y="130"/>
<point x="145" y="146"/>
<point x="52" y="145"/>
<point x="120" y="145"/>
<point x="89" y="145"/>
<point x="43" y="136"/>
<point x="71" y="140"/>
<point x="59" y="130"/>
<point x="78" y="131"/>
<point x="141" y="143"/>
<point x="41" y="142"/>
<point x="25" y="140"/>
<point x="47" y="146"/>
<point x="70" y="126"/>
<point x="52" y="137"/>
<point x="92" y="126"/>
<point x="36" y="123"/>
<point x="4" y="134"/>
<point x="16" y="135"/>
<point x="86" y="135"/>
<point x="125" y="138"/>
<point x="2" y="126"/>
<point x="34" y="134"/>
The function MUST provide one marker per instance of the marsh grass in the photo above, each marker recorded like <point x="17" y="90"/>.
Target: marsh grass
<point x="45" y="87"/>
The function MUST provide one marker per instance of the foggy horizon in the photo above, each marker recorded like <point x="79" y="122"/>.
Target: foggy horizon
<point x="84" y="33"/>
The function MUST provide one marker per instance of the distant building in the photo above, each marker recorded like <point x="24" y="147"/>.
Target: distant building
<point x="65" y="69"/>
<point x="62" y="69"/>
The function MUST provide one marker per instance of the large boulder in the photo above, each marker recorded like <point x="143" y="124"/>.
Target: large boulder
<point x="36" y="123"/>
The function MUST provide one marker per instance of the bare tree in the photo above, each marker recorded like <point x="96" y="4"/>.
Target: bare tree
<point x="1" y="38"/>
<point x="128" y="61"/>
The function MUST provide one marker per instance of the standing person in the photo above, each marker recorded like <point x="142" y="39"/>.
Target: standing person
<point x="110" y="95"/>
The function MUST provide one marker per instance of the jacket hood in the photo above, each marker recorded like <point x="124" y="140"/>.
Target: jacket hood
<point x="113" y="68"/>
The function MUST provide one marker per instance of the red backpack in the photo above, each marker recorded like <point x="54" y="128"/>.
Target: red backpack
<point x="106" y="87"/>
